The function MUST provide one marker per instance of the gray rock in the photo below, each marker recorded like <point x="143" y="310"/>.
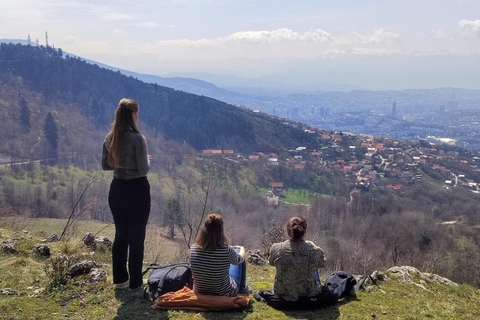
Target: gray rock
<point x="103" y="242"/>
<point x="43" y="251"/>
<point x="64" y="260"/>
<point x="89" y="239"/>
<point x="406" y="273"/>
<point x="83" y="267"/>
<point x="98" y="275"/>
<point x="255" y="257"/>
<point x="7" y="292"/>
<point x="53" y="238"/>
<point x="9" y="246"/>
<point x="378" y="276"/>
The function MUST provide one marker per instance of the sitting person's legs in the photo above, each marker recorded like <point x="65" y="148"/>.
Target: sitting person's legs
<point x="239" y="274"/>
<point x="317" y="276"/>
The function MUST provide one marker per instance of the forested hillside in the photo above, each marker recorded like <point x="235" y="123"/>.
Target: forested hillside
<point x="94" y="91"/>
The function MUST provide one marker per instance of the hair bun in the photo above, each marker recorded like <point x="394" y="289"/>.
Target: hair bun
<point x="296" y="227"/>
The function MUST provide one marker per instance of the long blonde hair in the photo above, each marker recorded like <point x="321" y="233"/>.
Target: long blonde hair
<point x="211" y="235"/>
<point x="123" y="121"/>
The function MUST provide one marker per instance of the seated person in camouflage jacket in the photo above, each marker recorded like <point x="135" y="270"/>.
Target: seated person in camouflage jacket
<point x="296" y="262"/>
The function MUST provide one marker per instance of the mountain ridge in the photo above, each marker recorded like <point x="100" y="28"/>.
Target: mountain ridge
<point x="202" y="122"/>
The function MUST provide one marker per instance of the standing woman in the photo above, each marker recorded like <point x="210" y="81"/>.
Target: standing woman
<point x="125" y="152"/>
<point x="218" y="268"/>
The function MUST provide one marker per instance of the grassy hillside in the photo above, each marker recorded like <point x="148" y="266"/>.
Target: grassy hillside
<point x="25" y="294"/>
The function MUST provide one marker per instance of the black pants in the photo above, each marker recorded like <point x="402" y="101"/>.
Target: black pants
<point x="129" y="201"/>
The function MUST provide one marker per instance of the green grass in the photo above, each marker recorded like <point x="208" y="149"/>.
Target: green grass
<point x="299" y="196"/>
<point x="295" y="196"/>
<point x="24" y="274"/>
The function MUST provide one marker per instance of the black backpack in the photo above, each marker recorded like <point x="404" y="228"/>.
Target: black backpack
<point x="340" y="284"/>
<point x="167" y="278"/>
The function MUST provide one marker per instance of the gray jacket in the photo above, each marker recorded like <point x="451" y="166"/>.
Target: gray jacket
<point x="133" y="156"/>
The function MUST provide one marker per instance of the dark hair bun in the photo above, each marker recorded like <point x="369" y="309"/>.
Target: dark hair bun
<point x="296" y="227"/>
<point x="214" y="219"/>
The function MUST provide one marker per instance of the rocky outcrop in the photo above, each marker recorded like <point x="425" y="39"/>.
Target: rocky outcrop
<point x="42" y="250"/>
<point x="98" y="275"/>
<point x="404" y="274"/>
<point x="53" y="238"/>
<point x="83" y="267"/>
<point x="9" y="246"/>
<point x="90" y="241"/>
<point x="411" y="275"/>
<point x="255" y="257"/>
<point x="89" y="268"/>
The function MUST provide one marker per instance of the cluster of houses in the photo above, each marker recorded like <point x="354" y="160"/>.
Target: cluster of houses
<point x="369" y="161"/>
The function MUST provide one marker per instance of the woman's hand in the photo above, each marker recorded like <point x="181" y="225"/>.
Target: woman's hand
<point x="242" y="250"/>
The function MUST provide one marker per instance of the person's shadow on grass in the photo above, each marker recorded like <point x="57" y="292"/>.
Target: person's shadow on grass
<point x="133" y="305"/>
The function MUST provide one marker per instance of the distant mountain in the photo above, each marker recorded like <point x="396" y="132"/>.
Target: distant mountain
<point x="186" y="84"/>
<point x="200" y="121"/>
<point x="263" y="86"/>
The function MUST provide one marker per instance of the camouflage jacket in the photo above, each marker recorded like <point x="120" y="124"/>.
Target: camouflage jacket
<point x="296" y="263"/>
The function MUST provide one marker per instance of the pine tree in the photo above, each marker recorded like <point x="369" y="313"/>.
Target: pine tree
<point x="24" y="114"/>
<point x="173" y="216"/>
<point x="51" y="134"/>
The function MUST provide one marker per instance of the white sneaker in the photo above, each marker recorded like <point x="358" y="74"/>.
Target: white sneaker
<point x="122" y="285"/>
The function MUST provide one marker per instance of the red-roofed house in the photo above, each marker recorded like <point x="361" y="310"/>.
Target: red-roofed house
<point x="277" y="187"/>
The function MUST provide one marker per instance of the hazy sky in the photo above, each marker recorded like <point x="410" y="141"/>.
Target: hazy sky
<point x="375" y="44"/>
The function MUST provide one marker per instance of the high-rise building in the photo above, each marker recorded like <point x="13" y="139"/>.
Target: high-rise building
<point x="394" y="109"/>
<point x="324" y="112"/>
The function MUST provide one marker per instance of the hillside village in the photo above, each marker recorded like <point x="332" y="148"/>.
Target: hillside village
<point x="371" y="162"/>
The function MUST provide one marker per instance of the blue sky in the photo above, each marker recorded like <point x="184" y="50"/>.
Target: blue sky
<point x="372" y="44"/>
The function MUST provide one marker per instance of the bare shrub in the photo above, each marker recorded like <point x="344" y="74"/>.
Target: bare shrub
<point x="58" y="272"/>
<point x="275" y="234"/>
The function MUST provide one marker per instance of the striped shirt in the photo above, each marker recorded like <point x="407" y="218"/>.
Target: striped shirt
<point x="210" y="270"/>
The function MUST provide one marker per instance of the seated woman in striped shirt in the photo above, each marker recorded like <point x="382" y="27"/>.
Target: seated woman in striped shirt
<point x="218" y="268"/>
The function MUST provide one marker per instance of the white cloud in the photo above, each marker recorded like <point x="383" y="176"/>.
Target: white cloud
<point x="280" y="35"/>
<point x="147" y="24"/>
<point x="470" y="26"/>
<point x="113" y="16"/>
<point x="378" y="36"/>
<point x="442" y="36"/>
<point x="280" y="43"/>
<point x="70" y="39"/>
<point x="249" y="48"/>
